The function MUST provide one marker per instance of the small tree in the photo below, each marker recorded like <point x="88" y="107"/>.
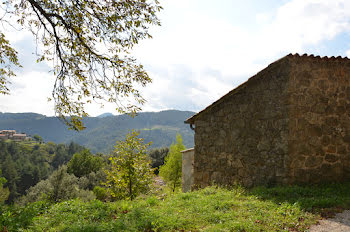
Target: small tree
<point x="171" y="171"/>
<point x="130" y="173"/>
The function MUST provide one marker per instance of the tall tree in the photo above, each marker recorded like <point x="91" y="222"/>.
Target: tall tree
<point x="130" y="173"/>
<point x="89" y="43"/>
<point x="171" y="171"/>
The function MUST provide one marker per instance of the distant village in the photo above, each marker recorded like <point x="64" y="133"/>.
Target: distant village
<point x="12" y="134"/>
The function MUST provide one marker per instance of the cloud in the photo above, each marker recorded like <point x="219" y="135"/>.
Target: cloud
<point x="300" y="23"/>
<point x="201" y="42"/>
<point x="27" y="56"/>
<point x="179" y="87"/>
<point x="198" y="55"/>
<point x="29" y="93"/>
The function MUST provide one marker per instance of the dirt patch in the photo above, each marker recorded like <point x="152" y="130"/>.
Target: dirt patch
<point x="339" y="223"/>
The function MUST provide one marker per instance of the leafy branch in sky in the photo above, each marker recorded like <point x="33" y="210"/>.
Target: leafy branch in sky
<point x="88" y="42"/>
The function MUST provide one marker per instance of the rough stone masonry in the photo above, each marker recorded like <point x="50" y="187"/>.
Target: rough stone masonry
<point x="290" y="123"/>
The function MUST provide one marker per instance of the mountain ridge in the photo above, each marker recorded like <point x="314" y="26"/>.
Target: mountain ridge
<point x="101" y="134"/>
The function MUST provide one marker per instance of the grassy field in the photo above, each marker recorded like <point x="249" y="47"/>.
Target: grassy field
<point x="292" y="208"/>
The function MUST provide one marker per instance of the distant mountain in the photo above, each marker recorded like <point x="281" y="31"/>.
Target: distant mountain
<point x="101" y="134"/>
<point x="105" y="115"/>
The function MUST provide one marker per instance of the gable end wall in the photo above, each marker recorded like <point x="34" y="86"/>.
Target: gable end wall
<point x="243" y="139"/>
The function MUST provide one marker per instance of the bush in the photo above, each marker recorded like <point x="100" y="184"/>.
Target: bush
<point x="100" y="193"/>
<point x="58" y="187"/>
<point x="14" y="217"/>
<point x="83" y="163"/>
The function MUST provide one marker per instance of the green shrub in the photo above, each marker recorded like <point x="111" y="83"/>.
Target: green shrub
<point x="100" y="193"/>
<point x="58" y="187"/>
<point x="16" y="217"/>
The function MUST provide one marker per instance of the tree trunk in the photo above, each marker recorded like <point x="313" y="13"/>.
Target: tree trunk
<point x="130" y="186"/>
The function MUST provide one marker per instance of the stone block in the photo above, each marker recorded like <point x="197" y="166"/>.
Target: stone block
<point x="315" y="130"/>
<point x="341" y="150"/>
<point x="346" y="138"/>
<point x="331" y="158"/>
<point x="205" y="178"/>
<point x="264" y="145"/>
<point x="331" y="149"/>
<point x="325" y="140"/>
<point x="325" y="169"/>
<point x="313" y="161"/>
<point x="237" y="163"/>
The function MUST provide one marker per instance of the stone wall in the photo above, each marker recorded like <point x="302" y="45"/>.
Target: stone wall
<point x="242" y="138"/>
<point x="319" y="124"/>
<point x="290" y="123"/>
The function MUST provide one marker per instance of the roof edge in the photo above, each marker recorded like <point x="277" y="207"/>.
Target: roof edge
<point x="289" y="56"/>
<point x="194" y="117"/>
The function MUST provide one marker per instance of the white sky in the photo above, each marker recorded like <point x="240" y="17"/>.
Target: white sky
<point x="203" y="49"/>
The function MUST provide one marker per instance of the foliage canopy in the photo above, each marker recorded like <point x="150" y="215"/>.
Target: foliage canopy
<point x="88" y="42"/>
<point x="8" y="59"/>
<point x="83" y="163"/>
<point x="24" y="164"/>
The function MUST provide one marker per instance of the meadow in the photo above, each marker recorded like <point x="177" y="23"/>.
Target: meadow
<point x="287" y="208"/>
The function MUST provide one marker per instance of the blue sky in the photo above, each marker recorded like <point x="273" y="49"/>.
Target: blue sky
<point x="203" y="49"/>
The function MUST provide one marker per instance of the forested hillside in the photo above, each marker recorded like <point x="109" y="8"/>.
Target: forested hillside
<point x="24" y="164"/>
<point x="101" y="133"/>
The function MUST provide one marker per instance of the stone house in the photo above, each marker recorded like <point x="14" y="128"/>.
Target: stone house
<point x="7" y="133"/>
<point x="11" y="134"/>
<point x="19" y="137"/>
<point x="290" y="123"/>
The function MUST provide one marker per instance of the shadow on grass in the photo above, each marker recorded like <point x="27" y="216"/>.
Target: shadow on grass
<point x="323" y="198"/>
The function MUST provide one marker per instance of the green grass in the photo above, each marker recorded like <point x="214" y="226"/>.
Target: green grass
<point x="212" y="209"/>
<point x="323" y="199"/>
